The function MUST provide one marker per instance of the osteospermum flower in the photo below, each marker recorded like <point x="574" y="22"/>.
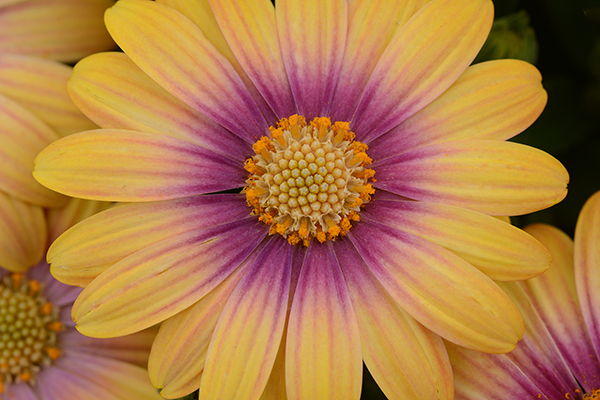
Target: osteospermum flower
<point x="371" y="160"/>
<point x="558" y="357"/>
<point x="62" y="30"/>
<point x="42" y="356"/>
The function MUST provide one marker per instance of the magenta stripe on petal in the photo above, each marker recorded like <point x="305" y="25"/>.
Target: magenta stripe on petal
<point x="479" y="376"/>
<point x="253" y="319"/>
<point x="323" y="351"/>
<point x="426" y="56"/>
<point x="547" y="372"/>
<point x="312" y="36"/>
<point x="208" y="255"/>
<point x="121" y="165"/>
<point x="20" y="391"/>
<point x="185" y="63"/>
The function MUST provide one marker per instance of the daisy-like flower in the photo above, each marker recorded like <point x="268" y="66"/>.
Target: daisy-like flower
<point x="558" y="357"/>
<point x="62" y="30"/>
<point x="371" y="160"/>
<point x="42" y="356"/>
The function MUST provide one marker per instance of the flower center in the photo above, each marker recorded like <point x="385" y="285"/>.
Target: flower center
<point x="308" y="180"/>
<point x="28" y="328"/>
<point x="594" y="394"/>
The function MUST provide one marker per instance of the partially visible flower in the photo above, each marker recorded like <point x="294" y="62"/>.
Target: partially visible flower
<point x="371" y="158"/>
<point x="559" y="356"/>
<point x="61" y="30"/>
<point x="42" y="356"/>
<point x="35" y="110"/>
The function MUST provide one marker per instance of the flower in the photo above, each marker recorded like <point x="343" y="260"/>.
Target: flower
<point x="42" y="356"/>
<point x="61" y="30"/>
<point x="372" y="159"/>
<point x="558" y="356"/>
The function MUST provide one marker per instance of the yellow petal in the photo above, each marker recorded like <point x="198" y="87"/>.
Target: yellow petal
<point x="153" y="283"/>
<point x="587" y="262"/>
<point x="175" y="53"/>
<point x="312" y="34"/>
<point x="88" y="248"/>
<point x="122" y="165"/>
<point x="22" y="234"/>
<point x="491" y="100"/>
<point x="24" y="135"/>
<point x="489" y="176"/>
<point x="323" y="351"/>
<point x="176" y="366"/>
<point x="407" y="360"/>
<point x="440" y="290"/>
<point x="498" y="249"/>
<point x="247" y="337"/>
<point x="371" y="27"/>
<point x="65" y="30"/>
<point x="428" y="54"/>
<point x="40" y="86"/>
<point x="201" y="14"/>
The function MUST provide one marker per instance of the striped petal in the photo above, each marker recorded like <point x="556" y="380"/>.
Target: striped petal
<point x="48" y="29"/>
<point x="76" y="210"/>
<point x="125" y="97"/>
<point x="120" y="165"/>
<point x="498" y="249"/>
<point x="87" y="249"/>
<point x="537" y="355"/>
<point x="247" y="337"/>
<point x="312" y="34"/>
<point x="132" y="349"/>
<point x="20" y="391"/>
<point x="23" y="136"/>
<point x="323" y="350"/>
<point x="176" y="367"/>
<point x="201" y="14"/>
<point x="587" y="261"/>
<point x="153" y="284"/>
<point x="439" y="289"/>
<point x="275" y="389"/>
<point x="407" y="360"/>
<point x="488" y="376"/>
<point x="489" y="176"/>
<point x="371" y="27"/>
<point x="39" y="85"/>
<point x="421" y="62"/>
<point x="251" y="32"/>
<point x="176" y="54"/>
<point x="22" y="234"/>
<point x="554" y="297"/>
<point x="95" y="378"/>
<point x="491" y="100"/>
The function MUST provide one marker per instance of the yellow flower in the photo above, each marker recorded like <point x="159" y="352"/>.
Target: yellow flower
<point x="558" y="356"/>
<point x="372" y="161"/>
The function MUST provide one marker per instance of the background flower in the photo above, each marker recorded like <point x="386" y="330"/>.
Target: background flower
<point x="43" y="356"/>
<point x="558" y="356"/>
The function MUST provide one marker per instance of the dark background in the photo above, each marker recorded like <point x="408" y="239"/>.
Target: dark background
<point x="568" y="37"/>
